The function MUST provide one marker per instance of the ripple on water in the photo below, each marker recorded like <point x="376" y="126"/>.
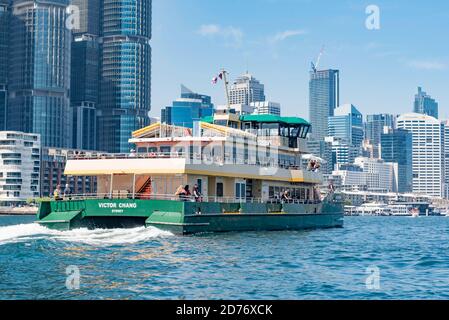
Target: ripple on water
<point x="411" y="255"/>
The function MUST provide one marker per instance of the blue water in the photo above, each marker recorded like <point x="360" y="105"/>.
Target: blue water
<point x="412" y="257"/>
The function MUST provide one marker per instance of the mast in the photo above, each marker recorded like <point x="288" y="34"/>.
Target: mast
<point x="226" y="83"/>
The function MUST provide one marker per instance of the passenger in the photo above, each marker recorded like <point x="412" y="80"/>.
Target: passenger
<point x="67" y="191"/>
<point x="57" y="193"/>
<point x="181" y="193"/>
<point x="286" y="197"/>
<point x="197" y="194"/>
<point x="188" y="194"/>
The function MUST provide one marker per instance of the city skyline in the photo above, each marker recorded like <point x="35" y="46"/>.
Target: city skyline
<point x="215" y="35"/>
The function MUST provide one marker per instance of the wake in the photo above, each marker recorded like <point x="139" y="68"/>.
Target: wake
<point x="98" y="237"/>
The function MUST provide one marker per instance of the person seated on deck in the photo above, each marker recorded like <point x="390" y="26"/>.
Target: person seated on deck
<point x="197" y="194"/>
<point x="57" y="193"/>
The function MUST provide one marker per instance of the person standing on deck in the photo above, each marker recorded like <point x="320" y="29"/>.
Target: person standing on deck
<point x="67" y="191"/>
<point x="196" y="193"/>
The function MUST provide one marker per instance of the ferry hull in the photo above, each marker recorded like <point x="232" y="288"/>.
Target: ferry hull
<point x="187" y="217"/>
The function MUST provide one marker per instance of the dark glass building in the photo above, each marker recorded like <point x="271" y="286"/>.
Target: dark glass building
<point x="397" y="146"/>
<point x="374" y="127"/>
<point x="189" y="108"/>
<point x="424" y="104"/>
<point x="324" y="97"/>
<point x="39" y="71"/>
<point x="125" y="72"/>
<point x="4" y="32"/>
<point x="85" y="76"/>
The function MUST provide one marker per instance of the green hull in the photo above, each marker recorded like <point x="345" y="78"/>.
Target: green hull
<point x="188" y="217"/>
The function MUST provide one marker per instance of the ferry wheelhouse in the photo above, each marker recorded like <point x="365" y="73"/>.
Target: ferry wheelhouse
<point x="227" y="173"/>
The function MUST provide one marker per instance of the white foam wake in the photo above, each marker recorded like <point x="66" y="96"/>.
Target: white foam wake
<point x="98" y="237"/>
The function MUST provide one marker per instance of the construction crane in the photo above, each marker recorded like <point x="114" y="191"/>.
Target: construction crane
<point x="316" y="65"/>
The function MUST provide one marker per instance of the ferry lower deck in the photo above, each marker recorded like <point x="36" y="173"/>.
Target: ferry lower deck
<point x="183" y="217"/>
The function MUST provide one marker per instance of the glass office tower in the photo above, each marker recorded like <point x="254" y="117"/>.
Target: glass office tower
<point x="85" y="75"/>
<point x="39" y="71"/>
<point x="424" y="104"/>
<point x="396" y="147"/>
<point x="4" y="31"/>
<point x="125" y="74"/>
<point x="189" y="108"/>
<point x="347" y="124"/>
<point x="324" y="95"/>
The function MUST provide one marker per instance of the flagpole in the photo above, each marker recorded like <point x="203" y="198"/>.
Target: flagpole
<point x="225" y="80"/>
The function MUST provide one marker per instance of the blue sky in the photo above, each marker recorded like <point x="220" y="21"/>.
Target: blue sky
<point x="277" y="39"/>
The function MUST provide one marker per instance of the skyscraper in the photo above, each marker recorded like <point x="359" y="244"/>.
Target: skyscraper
<point x="347" y="124"/>
<point x="85" y="69"/>
<point x="446" y="157"/>
<point x="125" y="72"/>
<point x="396" y="147"/>
<point x="426" y="152"/>
<point x="39" y="71"/>
<point x="189" y="108"/>
<point x="424" y="104"/>
<point x="245" y="90"/>
<point x="374" y="127"/>
<point x="324" y="97"/>
<point x="89" y="17"/>
<point x="266" y="107"/>
<point x="4" y="38"/>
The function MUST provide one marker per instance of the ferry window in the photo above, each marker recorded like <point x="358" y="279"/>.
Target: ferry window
<point x="199" y="182"/>
<point x="271" y="192"/>
<point x="165" y="149"/>
<point x="220" y="189"/>
<point x="152" y="150"/>
<point x="240" y="190"/>
<point x="141" y="150"/>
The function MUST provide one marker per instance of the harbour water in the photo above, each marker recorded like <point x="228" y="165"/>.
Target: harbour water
<point x="371" y="258"/>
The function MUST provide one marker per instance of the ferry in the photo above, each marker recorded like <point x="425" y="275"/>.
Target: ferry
<point x="228" y="173"/>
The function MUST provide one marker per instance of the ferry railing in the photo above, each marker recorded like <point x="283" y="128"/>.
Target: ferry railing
<point x="265" y="162"/>
<point x="180" y="198"/>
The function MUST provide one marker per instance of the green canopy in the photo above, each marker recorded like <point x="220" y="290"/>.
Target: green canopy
<point x="269" y="118"/>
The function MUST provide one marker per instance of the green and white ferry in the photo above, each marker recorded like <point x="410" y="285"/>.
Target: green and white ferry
<point x="248" y="169"/>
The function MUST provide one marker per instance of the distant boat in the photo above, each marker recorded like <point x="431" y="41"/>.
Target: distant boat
<point x="415" y="213"/>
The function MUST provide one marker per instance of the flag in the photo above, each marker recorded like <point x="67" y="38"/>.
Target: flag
<point x="216" y="78"/>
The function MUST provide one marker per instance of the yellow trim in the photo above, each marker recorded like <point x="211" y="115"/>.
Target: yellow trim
<point x="145" y="130"/>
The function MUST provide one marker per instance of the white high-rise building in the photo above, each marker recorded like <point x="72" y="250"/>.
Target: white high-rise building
<point x="370" y="174"/>
<point x="266" y="107"/>
<point x="446" y="157"/>
<point x="427" y="152"/>
<point x="20" y="155"/>
<point x="245" y="90"/>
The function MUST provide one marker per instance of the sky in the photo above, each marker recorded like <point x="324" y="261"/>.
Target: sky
<point x="276" y="40"/>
